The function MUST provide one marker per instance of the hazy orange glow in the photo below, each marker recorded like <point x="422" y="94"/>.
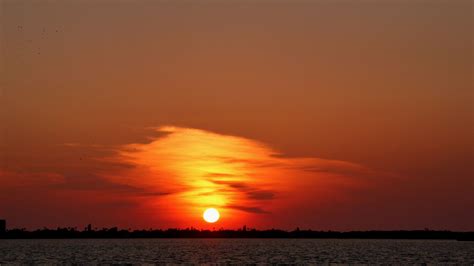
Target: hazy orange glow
<point x="195" y="169"/>
<point x="242" y="178"/>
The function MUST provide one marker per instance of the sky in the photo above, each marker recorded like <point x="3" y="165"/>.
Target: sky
<point x="330" y="115"/>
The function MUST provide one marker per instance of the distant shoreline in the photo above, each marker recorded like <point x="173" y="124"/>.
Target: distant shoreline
<point x="115" y="233"/>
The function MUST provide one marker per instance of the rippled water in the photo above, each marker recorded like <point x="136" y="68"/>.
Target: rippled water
<point x="235" y="251"/>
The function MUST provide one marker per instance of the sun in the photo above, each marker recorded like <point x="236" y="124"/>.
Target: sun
<point x="211" y="215"/>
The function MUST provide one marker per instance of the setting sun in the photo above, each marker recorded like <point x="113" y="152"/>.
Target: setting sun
<point x="211" y="215"/>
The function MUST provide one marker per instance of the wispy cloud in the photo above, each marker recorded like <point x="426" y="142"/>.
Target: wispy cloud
<point x="249" y="209"/>
<point x="181" y="171"/>
<point x="14" y="179"/>
<point x="198" y="168"/>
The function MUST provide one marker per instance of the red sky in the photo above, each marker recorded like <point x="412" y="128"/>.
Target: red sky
<point x="318" y="114"/>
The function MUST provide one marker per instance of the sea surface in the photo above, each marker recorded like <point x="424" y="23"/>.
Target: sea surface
<point x="223" y="251"/>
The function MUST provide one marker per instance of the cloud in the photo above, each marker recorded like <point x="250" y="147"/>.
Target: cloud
<point x="180" y="172"/>
<point x="15" y="179"/>
<point x="261" y="195"/>
<point x="92" y="182"/>
<point x="233" y="184"/>
<point x="252" y="193"/>
<point x="249" y="209"/>
<point x="196" y="169"/>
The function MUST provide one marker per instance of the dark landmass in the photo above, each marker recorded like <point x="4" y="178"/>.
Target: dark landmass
<point x="224" y="233"/>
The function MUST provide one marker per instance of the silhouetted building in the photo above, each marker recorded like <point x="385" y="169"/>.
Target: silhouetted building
<point x="89" y="227"/>
<point x="3" y="227"/>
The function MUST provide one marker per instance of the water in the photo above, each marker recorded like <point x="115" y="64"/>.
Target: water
<point x="324" y="251"/>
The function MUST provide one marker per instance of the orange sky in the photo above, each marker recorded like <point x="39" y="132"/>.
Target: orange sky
<point x="322" y="114"/>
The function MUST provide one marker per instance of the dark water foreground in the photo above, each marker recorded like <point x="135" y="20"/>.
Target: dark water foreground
<point x="87" y="251"/>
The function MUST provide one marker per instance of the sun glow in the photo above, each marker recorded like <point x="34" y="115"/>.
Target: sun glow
<point x="241" y="178"/>
<point x="211" y="215"/>
<point x="198" y="169"/>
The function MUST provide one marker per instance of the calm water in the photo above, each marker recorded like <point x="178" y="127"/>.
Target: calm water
<point x="235" y="251"/>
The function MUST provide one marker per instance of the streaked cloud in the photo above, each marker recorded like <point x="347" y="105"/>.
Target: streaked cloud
<point x="196" y="169"/>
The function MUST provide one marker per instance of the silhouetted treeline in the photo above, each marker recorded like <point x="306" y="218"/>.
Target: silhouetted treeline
<point x="222" y="233"/>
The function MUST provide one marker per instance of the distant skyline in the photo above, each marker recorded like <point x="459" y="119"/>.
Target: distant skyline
<point x="331" y="115"/>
